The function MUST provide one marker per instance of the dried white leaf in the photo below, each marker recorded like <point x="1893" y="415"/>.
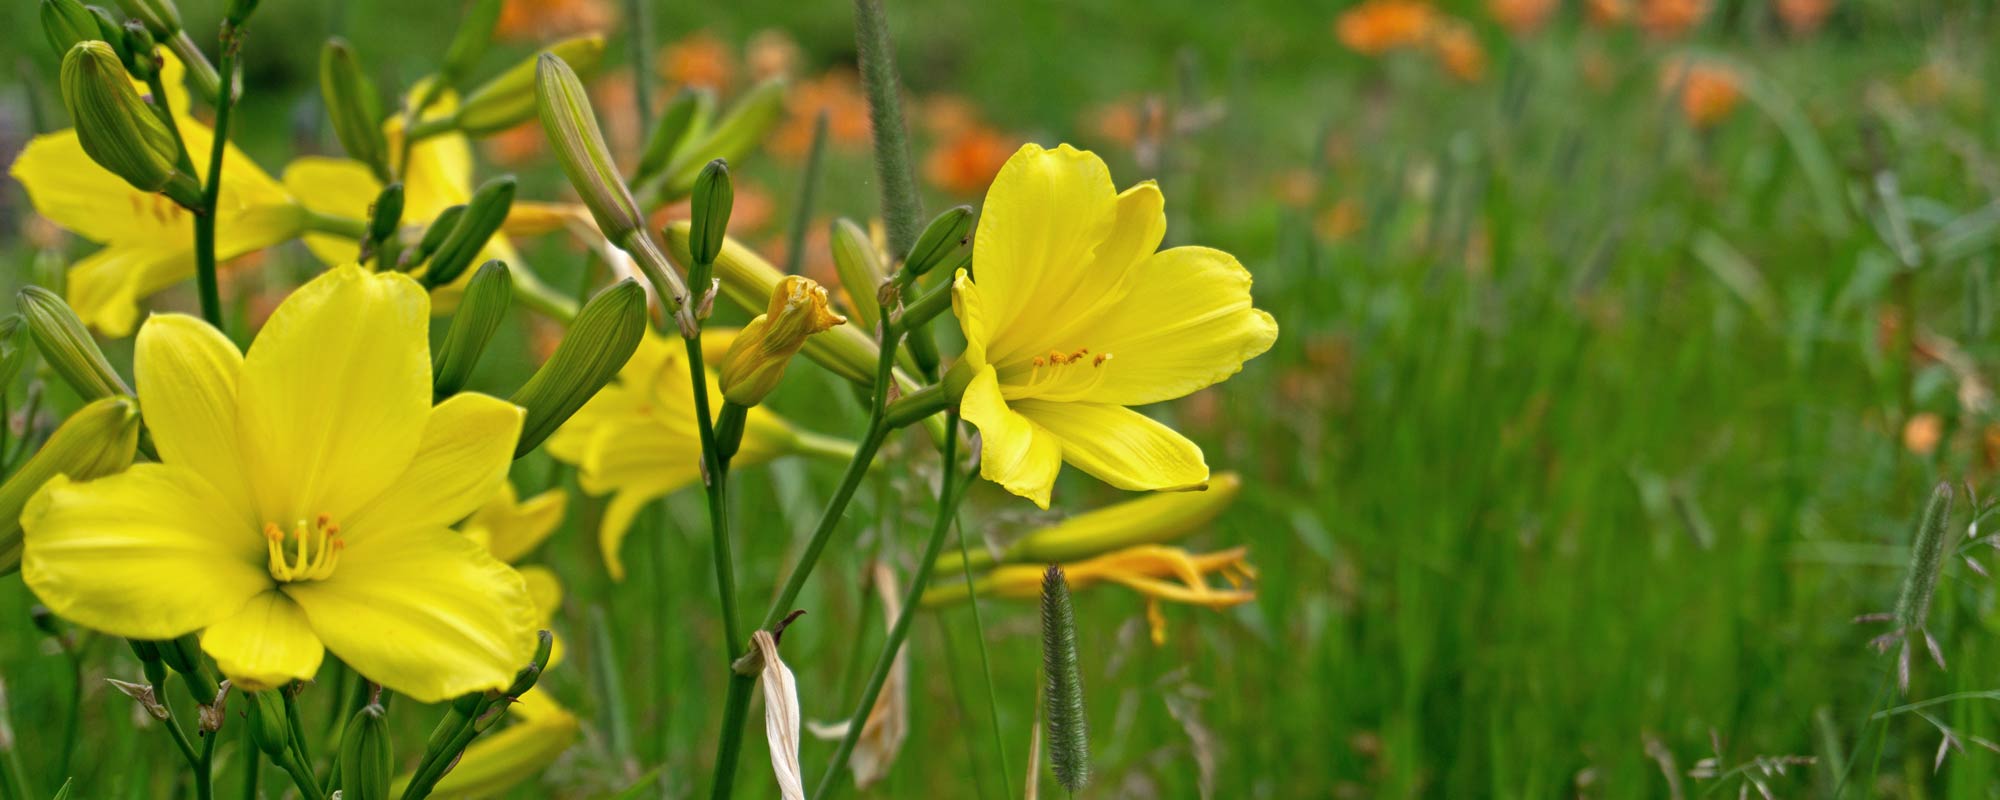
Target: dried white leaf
<point x="888" y="722"/>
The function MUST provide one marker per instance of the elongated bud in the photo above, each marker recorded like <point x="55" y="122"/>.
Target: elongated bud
<point x="714" y="197"/>
<point x="524" y="680"/>
<point x="238" y="11"/>
<point x="732" y="138"/>
<point x="579" y="145"/>
<point x="161" y="17"/>
<point x="135" y="49"/>
<point x="756" y="359"/>
<point x="859" y="266"/>
<point x="149" y="660"/>
<point x="268" y="727"/>
<point x="479" y="314"/>
<point x="482" y="217"/>
<point x="111" y="32"/>
<point x="510" y="98"/>
<point x="183" y="653"/>
<point x="475" y="32"/>
<point x="67" y="22"/>
<point x="947" y="243"/>
<point x="1068" y="731"/>
<point x="117" y="129"/>
<point x="66" y="346"/>
<point x="1156" y="518"/>
<point x="367" y="756"/>
<point x="98" y="440"/>
<point x="385" y="215"/>
<point x="749" y="281"/>
<point x="1927" y="556"/>
<point x="683" y="120"/>
<point x="434" y="236"/>
<point x="354" y="105"/>
<point x="600" y="341"/>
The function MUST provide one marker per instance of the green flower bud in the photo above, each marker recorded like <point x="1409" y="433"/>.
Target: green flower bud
<point x="67" y="347"/>
<point x="268" y="727"/>
<point x="149" y="660"/>
<point x="509" y="98"/>
<point x="482" y="217"/>
<point x="714" y="197"/>
<point x="161" y="17"/>
<point x="947" y="242"/>
<point x="757" y="357"/>
<point x="367" y="756"/>
<point x="385" y="216"/>
<point x="16" y="345"/>
<point x="859" y="266"/>
<point x="479" y="314"/>
<point x="135" y="49"/>
<point x="117" y="129"/>
<point x="98" y="440"/>
<point x="237" y="11"/>
<point x="683" y="120"/>
<point x="579" y="145"/>
<point x="354" y="105"/>
<point x="475" y="32"/>
<point x="524" y="680"/>
<point x="66" y="22"/>
<point x="434" y="236"/>
<point x="599" y="342"/>
<point x="735" y="136"/>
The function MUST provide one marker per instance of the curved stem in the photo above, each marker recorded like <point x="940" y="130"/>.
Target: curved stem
<point x="715" y="479"/>
<point x="211" y="188"/>
<point x="950" y="491"/>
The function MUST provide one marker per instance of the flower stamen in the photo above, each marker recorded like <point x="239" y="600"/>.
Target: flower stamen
<point x="310" y="555"/>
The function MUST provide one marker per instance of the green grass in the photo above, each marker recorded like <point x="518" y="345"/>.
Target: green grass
<point x="1584" y="448"/>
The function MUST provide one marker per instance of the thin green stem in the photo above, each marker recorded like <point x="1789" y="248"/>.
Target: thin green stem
<point x="715" y="480"/>
<point x="642" y="60"/>
<point x="211" y="188"/>
<point x="985" y="660"/>
<point x="204" y="775"/>
<point x="735" y="709"/>
<point x="795" y="240"/>
<point x="302" y="777"/>
<point x="950" y="491"/>
<point x="252" y="767"/>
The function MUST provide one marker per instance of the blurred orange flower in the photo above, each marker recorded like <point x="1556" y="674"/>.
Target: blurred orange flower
<point x="1607" y="13"/>
<point x="1374" y="27"/>
<point x="1521" y="17"/>
<point x="838" y="93"/>
<point x="549" y="19"/>
<point x="1340" y="221"/>
<point x="772" y="54"/>
<point x="1922" y="432"/>
<point x="1804" y="16"/>
<point x="967" y="161"/>
<point x="698" y="59"/>
<point x="1126" y="123"/>
<point x="515" y="146"/>
<point x="1708" y="92"/>
<point x="1667" y="19"/>
<point x="1459" y="50"/>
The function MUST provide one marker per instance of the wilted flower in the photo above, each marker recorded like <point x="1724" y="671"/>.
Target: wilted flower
<point x="1157" y="571"/>
<point x="1374" y="27"/>
<point x="1073" y="316"/>
<point x="305" y="489"/>
<point x="757" y="357"/>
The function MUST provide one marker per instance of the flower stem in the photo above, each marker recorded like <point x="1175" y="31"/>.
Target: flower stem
<point x="950" y="491"/>
<point x="900" y="207"/>
<point x="211" y="188"/>
<point x="715" y="480"/>
<point x="985" y="661"/>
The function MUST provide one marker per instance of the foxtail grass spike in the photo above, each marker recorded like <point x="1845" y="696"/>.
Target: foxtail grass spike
<point x="1069" y="733"/>
<point x="1926" y="561"/>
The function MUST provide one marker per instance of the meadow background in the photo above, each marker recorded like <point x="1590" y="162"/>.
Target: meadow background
<point x="1606" y="395"/>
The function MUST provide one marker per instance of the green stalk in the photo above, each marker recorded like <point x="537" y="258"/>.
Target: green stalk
<point x="950" y="491"/>
<point x="715" y="480"/>
<point x="985" y="661"/>
<point x="795" y="239"/>
<point x="211" y="188"/>
<point x="901" y="210"/>
<point x="252" y="767"/>
<point x="642" y="61"/>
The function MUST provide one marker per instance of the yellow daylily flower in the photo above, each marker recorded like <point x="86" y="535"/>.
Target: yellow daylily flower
<point x="1070" y="316"/>
<point x="637" y="439"/>
<point x="148" y="240"/>
<point x="1157" y="571"/>
<point x="301" y="503"/>
<point x="510" y="527"/>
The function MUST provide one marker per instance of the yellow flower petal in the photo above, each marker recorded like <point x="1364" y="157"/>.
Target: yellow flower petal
<point x="336" y="393"/>
<point x="1119" y="446"/>
<point x="73" y="191"/>
<point x="547" y="590"/>
<point x="105" y="288"/>
<point x="150" y="553"/>
<point x="1185" y="324"/>
<point x="426" y="612"/>
<point x="1014" y="451"/>
<point x="188" y="372"/>
<point x="264" y="645"/>
<point x="512" y="528"/>
<point x="461" y="463"/>
<point x="1078" y="296"/>
<point x="1044" y="215"/>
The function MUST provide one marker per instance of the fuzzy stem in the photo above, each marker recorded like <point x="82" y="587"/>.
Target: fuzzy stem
<point x="901" y="210"/>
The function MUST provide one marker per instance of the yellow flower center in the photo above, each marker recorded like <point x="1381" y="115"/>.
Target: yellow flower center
<point x="1061" y="369"/>
<point x="308" y="554"/>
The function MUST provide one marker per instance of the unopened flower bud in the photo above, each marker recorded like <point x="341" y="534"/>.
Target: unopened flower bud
<point x="433" y="238"/>
<point x="268" y="728"/>
<point x="161" y="17"/>
<point x="149" y="660"/>
<point x="385" y="216"/>
<point x="579" y="146"/>
<point x="142" y="693"/>
<point x="599" y="342"/>
<point x="510" y="97"/>
<point x="67" y="346"/>
<point x="859" y="266"/>
<point x="479" y="314"/>
<point x="749" y="281"/>
<point x="355" y="107"/>
<point x="475" y="32"/>
<point x="117" y="129"/>
<point x="756" y="359"/>
<point x="732" y="138"/>
<point x="67" y="22"/>
<point x="947" y="243"/>
<point x="684" y="119"/>
<point x="367" y="756"/>
<point x="545" y="643"/>
<point x="16" y="345"/>
<point x="714" y="197"/>
<point x="483" y="216"/>
<point x="98" y="440"/>
<point x="135" y="49"/>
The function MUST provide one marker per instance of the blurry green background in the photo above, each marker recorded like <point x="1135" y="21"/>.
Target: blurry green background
<point x="1587" y="433"/>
